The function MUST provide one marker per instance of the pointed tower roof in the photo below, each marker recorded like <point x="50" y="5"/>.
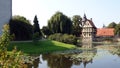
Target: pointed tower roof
<point x="84" y="18"/>
<point x="85" y="15"/>
<point x="84" y="63"/>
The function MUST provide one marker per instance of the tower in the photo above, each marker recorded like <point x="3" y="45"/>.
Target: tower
<point x="5" y="12"/>
<point x="88" y="31"/>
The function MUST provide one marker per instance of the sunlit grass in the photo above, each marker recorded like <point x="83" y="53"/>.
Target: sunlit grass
<point x="41" y="47"/>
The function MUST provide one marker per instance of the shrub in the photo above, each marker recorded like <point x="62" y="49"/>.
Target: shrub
<point x="69" y="39"/>
<point x="21" y="28"/>
<point x="108" y="39"/>
<point x="65" y="38"/>
<point x="9" y="60"/>
<point x="36" y="37"/>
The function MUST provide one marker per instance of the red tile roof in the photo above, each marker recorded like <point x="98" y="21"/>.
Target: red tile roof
<point x="105" y="32"/>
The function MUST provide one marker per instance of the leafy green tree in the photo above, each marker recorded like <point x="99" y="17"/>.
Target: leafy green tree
<point x="112" y="25"/>
<point x="116" y="27"/>
<point x="77" y="20"/>
<point x="60" y="23"/>
<point x="46" y="31"/>
<point x="36" y="28"/>
<point x="21" y="28"/>
<point x="117" y="30"/>
<point x="21" y="18"/>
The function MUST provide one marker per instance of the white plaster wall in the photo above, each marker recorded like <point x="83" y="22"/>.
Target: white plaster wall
<point x="5" y="12"/>
<point x="87" y="24"/>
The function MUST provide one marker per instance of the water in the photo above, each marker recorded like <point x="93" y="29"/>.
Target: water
<point x="96" y="58"/>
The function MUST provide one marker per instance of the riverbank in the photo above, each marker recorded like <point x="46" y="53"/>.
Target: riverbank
<point x="44" y="46"/>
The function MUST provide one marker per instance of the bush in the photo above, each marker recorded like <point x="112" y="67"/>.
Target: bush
<point x="21" y="28"/>
<point x="36" y="37"/>
<point x="65" y="38"/>
<point x="11" y="59"/>
<point x="108" y="39"/>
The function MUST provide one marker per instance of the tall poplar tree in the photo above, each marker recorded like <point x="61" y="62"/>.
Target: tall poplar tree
<point x="36" y="28"/>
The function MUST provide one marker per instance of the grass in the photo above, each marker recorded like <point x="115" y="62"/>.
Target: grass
<point x="45" y="46"/>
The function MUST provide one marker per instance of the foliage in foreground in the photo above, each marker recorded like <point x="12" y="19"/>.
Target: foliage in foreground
<point x="65" y="38"/>
<point x="12" y="59"/>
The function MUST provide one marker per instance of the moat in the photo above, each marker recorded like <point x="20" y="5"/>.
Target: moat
<point x="106" y="56"/>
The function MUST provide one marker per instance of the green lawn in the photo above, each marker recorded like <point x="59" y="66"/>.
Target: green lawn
<point x="42" y="46"/>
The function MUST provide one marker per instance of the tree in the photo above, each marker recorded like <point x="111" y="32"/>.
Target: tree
<point x="46" y="31"/>
<point x="36" y="28"/>
<point x="117" y="29"/>
<point x="60" y="23"/>
<point x="21" y="28"/>
<point x="112" y="25"/>
<point x="77" y="20"/>
<point x="65" y="38"/>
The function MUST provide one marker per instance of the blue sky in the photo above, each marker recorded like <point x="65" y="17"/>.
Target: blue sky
<point x="101" y="11"/>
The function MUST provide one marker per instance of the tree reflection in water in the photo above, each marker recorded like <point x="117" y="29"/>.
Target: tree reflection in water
<point x="34" y="65"/>
<point x="67" y="60"/>
<point x="57" y="61"/>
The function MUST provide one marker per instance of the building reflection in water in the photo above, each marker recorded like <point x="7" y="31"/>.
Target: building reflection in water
<point x="87" y="45"/>
<point x="67" y="60"/>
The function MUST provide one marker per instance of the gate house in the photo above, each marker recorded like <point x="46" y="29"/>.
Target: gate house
<point x="88" y="32"/>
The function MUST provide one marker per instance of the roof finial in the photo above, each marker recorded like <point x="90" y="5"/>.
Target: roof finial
<point x="84" y="17"/>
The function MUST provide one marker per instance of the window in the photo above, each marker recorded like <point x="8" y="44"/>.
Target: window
<point x="89" y="34"/>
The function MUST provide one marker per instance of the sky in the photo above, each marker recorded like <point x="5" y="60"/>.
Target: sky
<point x="101" y="11"/>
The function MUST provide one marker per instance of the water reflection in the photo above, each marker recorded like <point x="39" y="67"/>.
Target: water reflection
<point x="87" y="45"/>
<point x="34" y="65"/>
<point x="57" y="61"/>
<point x="99" y="58"/>
<point x="67" y="60"/>
<point x="115" y="50"/>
